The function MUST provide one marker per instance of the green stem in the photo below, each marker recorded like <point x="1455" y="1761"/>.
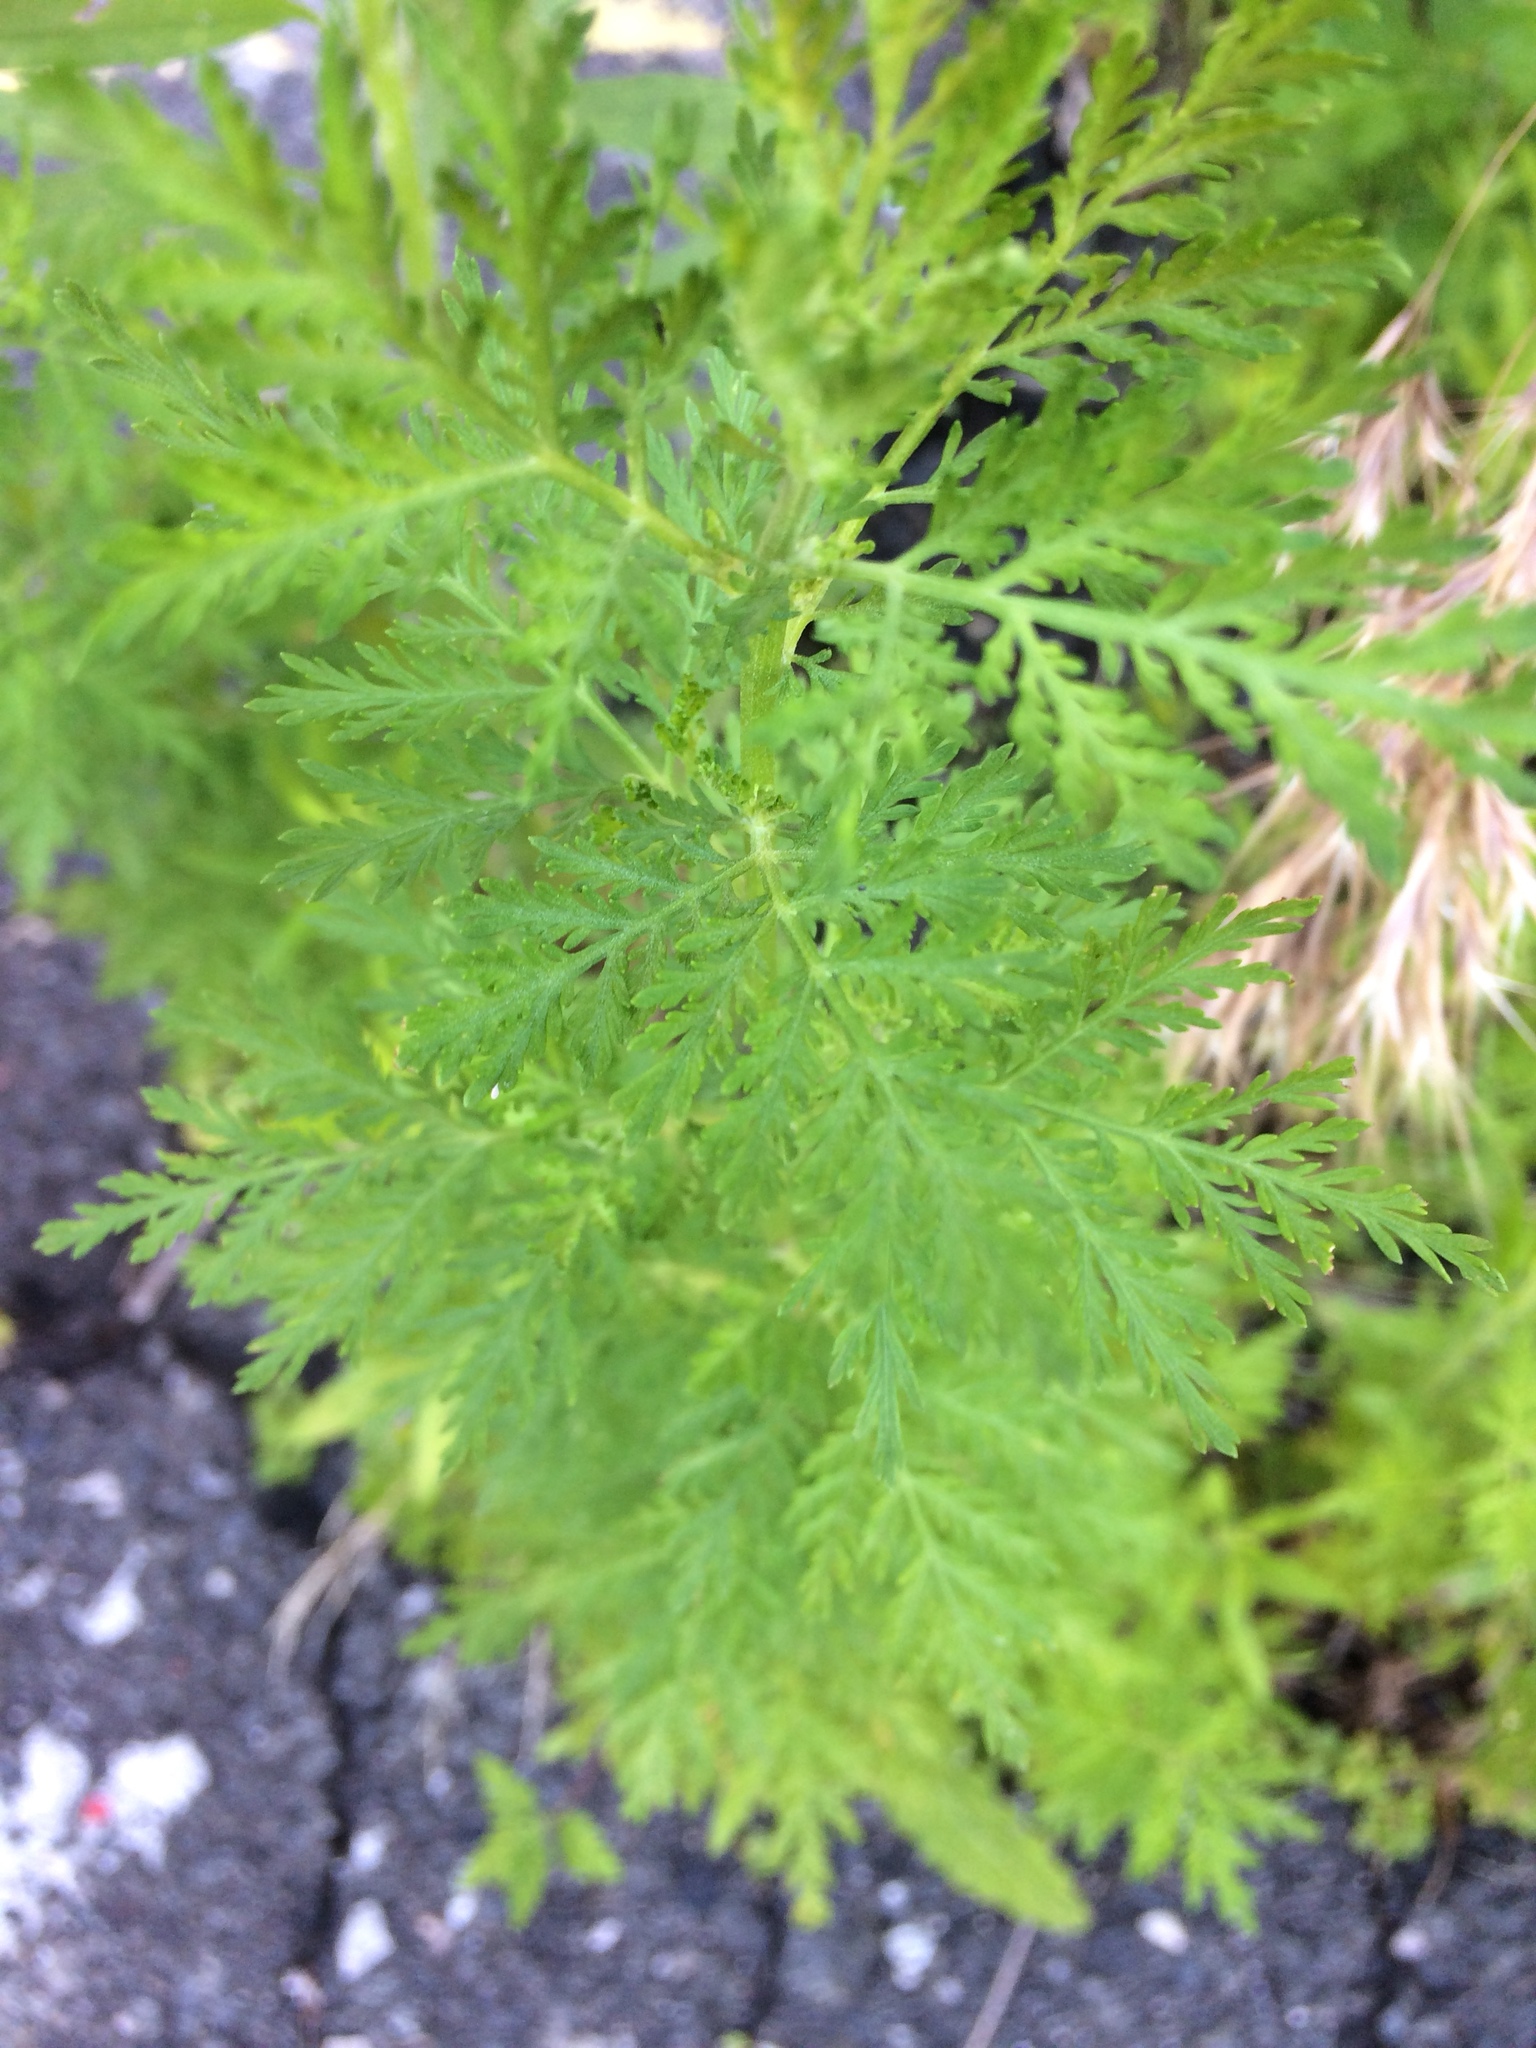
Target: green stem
<point x="720" y="567"/>
<point x="759" y="682"/>
<point x="770" y="649"/>
<point x="604" y="719"/>
<point x="765" y="857"/>
<point x="382" y="58"/>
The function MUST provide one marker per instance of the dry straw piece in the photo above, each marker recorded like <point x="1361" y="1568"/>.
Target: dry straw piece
<point x="1399" y="976"/>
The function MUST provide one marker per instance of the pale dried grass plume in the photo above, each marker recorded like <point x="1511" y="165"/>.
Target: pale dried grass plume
<point x="1399" y="976"/>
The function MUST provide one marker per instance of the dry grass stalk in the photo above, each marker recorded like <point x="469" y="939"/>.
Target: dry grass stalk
<point x="1398" y="977"/>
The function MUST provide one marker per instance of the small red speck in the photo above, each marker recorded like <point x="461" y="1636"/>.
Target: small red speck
<point x="95" y="1809"/>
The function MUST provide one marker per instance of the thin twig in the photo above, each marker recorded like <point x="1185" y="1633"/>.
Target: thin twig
<point x="1005" y="1981"/>
<point x="536" y="1687"/>
<point x="1447" y="1842"/>
<point x="141" y="1301"/>
<point x="327" y="1583"/>
<point x="1418" y="307"/>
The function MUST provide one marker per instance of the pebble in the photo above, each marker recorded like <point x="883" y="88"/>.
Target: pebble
<point x="300" y="1988"/>
<point x="117" y="1609"/>
<point x="220" y="1583"/>
<point x="460" y="1910"/>
<point x="1164" y="1930"/>
<point x="100" y="1491"/>
<point x="366" y="1850"/>
<point x="364" y="1941"/>
<point x="30" y="1590"/>
<point x="909" y="1948"/>
<point x="147" y="1784"/>
<point x="1410" y="1944"/>
<point x="602" y="1936"/>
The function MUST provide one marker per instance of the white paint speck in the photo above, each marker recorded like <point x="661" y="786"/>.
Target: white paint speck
<point x="364" y="1941"/>
<point x="460" y="1910"/>
<point x="101" y="1492"/>
<point x="910" y="1947"/>
<point x="1410" y="1944"/>
<point x="602" y="1936"/>
<point x="30" y="1590"/>
<point x="894" y="1897"/>
<point x="220" y="1583"/>
<point x="117" y="1609"/>
<point x="51" y="1832"/>
<point x="147" y="1784"/>
<point x="366" y="1850"/>
<point x="34" y="1824"/>
<point x="1164" y="1930"/>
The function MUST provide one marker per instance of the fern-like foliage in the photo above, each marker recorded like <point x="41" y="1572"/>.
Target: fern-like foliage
<point x="718" y="1121"/>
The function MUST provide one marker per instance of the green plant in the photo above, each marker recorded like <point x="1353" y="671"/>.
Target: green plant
<point x="708" y="1092"/>
<point x="1443" y="83"/>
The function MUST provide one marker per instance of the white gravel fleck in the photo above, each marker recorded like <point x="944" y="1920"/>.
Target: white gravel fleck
<point x="460" y="1910"/>
<point x="366" y="1850"/>
<point x="117" y="1609"/>
<point x="1410" y="1944"/>
<point x="415" y="1603"/>
<point x="439" y="1782"/>
<point x="910" y="1947"/>
<point x="347" y="2041"/>
<point x="34" y="1824"/>
<point x="603" y="1936"/>
<point x="30" y="1590"/>
<point x="101" y="1491"/>
<point x="13" y="1467"/>
<point x="364" y="1941"/>
<point x="301" y="1989"/>
<point x="220" y="1583"/>
<point x="949" y="1991"/>
<point x="147" y="1784"/>
<point x="894" y="1897"/>
<point x="1164" y="1930"/>
<point x="255" y="60"/>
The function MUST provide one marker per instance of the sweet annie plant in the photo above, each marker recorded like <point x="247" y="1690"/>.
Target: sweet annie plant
<point x="698" y="1061"/>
